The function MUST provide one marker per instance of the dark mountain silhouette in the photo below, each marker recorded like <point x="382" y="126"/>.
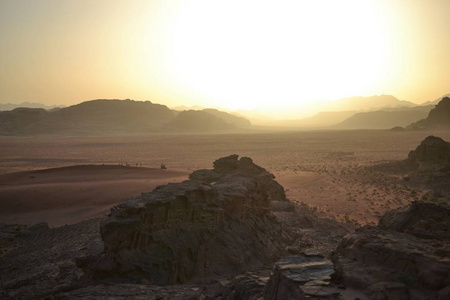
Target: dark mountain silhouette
<point x="105" y="116"/>
<point x="115" y="116"/>
<point x="198" y="121"/>
<point x="439" y="117"/>
<point x="383" y="119"/>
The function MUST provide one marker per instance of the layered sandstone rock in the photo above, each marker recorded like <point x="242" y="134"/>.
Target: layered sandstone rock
<point x="302" y="277"/>
<point x="405" y="257"/>
<point x="218" y="222"/>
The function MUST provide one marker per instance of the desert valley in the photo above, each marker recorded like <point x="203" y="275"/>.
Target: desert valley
<point x="59" y="191"/>
<point x="229" y="150"/>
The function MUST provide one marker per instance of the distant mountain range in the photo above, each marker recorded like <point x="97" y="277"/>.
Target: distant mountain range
<point x="319" y="120"/>
<point x="375" y="112"/>
<point x="381" y="119"/>
<point x="11" y="106"/>
<point x="367" y="103"/>
<point x="116" y="116"/>
<point x="129" y="116"/>
<point x="435" y="101"/>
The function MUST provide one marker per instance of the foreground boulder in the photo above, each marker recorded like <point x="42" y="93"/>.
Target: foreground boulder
<point x="405" y="257"/>
<point x="217" y="223"/>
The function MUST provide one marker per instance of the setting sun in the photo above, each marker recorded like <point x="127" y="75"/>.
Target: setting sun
<point x="288" y="52"/>
<point x="239" y="149"/>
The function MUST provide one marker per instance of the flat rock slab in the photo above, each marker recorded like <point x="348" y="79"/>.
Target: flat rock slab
<point x="301" y="277"/>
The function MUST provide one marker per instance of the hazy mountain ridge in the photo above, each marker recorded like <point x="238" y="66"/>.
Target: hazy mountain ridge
<point x="121" y="116"/>
<point x="11" y="106"/>
<point x="101" y="115"/>
<point x="321" y="119"/>
<point x="381" y="119"/>
<point x="436" y="101"/>
<point x="330" y="113"/>
<point x="229" y="118"/>
<point x="360" y="103"/>
<point x="198" y="121"/>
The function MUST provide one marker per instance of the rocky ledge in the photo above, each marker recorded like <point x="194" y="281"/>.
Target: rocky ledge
<point x="217" y="223"/>
<point x="300" y="277"/>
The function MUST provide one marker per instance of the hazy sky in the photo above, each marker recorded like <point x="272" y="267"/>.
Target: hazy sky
<point x="233" y="54"/>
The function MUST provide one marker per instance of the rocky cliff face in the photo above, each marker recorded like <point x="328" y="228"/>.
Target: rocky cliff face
<point x="405" y="257"/>
<point x="438" y="117"/>
<point x="441" y="114"/>
<point x="218" y="222"/>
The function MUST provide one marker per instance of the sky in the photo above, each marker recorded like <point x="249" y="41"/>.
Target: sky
<point x="262" y="55"/>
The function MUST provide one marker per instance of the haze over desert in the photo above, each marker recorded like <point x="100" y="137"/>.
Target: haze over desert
<point x="229" y="150"/>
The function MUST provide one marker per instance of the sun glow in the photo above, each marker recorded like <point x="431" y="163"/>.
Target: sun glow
<point x="252" y="54"/>
<point x="229" y="54"/>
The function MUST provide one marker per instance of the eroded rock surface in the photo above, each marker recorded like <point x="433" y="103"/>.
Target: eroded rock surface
<point x="407" y="256"/>
<point x="302" y="277"/>
<point x="432" y="153"/>
<point x="219" y="222"/>
<point x="37" y="262"/>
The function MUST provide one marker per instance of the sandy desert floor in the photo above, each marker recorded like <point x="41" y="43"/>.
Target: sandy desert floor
<point x="68" y="195"/>
<point x="326" y="170"/>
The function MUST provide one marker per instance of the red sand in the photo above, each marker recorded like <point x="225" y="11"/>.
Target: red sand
<point x="68" y="195"/>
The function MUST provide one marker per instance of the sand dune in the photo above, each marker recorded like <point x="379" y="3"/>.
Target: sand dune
<point x="68" y="195"/>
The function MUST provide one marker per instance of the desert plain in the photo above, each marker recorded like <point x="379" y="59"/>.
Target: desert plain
<point x="64" y="180"/>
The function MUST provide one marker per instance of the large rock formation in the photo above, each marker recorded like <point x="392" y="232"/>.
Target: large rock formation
<point x="405" y="257"/>
<point x="432" y="153"/>
<point x="439" y="117"/>
<point x="219" y="222"/>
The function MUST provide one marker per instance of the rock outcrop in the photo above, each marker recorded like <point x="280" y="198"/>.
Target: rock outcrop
<point x="439" y="117"/>
<point x="405" y="257"/>
<point x="219" y="222"/>
<point x="432" y="153"/>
